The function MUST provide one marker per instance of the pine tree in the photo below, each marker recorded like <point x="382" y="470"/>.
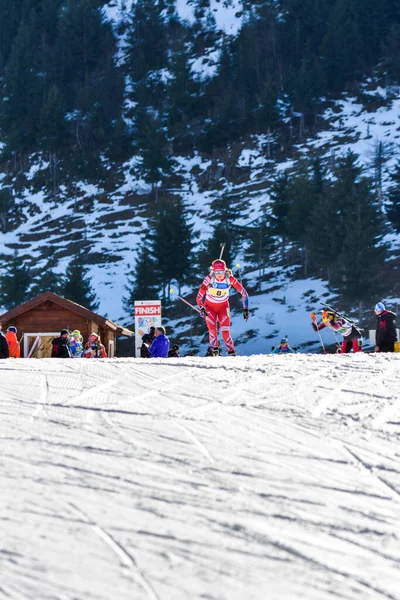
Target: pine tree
<point x="343" y="47"/>
<point x="143" y="281"/>
<point x="77" y="286"/>
<point x="52" y="125"/>
<point x="172" y="242"/>
<point x="362" y="252"/>
<point x="153" y="146"/>
<point x="225" y="213"/>
<point x="7" y="208"/>
<point x="392" y="53"/>
<point x="211" y="249"/>
<point x="182" y="90"/>
<point x="263" y="244"/>
<point x="10" y="19"/>
<point x="47" y="281"/>
<point x="147" y="42"/>
<point x="325" y="235"/>
<point x="393" y="203"/>
<point x="15" y="282"/>
<point x="91" y="87"/>
<point x="307" y="85"/>
<point x="280" y="210"/>
<point x="304" y="193"/>
<point x="21" y="97"/>
<point x="382" y="152"/>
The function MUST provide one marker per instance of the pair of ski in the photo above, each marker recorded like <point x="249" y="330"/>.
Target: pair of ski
<point x="335" y="312"/>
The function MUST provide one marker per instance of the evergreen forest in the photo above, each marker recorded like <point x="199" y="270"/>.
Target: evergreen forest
<point x="87" y="97"/>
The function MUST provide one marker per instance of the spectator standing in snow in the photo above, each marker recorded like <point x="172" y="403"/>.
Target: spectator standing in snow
<point x="147" y="340"/>
<point x="13" y="343"/>
<point x="61" y="347"/>
<point x="215" y="309"/>
<point x="75" y="344"/>
<point x="386" y="334"/>
<point x="4" y="351"/>
<point x="94" y="348"/>
<point x="174" y="352"/>
<point x="339" y="324"/>
<point x="283" y="348"/>
<point x="160" y="346"/>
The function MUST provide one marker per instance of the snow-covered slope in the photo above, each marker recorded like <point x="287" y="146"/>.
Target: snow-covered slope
<point x="231" y="479"/>
<point x="112" y="216"/>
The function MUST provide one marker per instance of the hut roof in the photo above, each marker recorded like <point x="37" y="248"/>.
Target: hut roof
<point x="68" y="305"/>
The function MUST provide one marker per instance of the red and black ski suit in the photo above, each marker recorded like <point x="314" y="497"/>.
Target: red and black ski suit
<point x="217" y="306"/>
<point x="386" y="334"/>
<point x="352" y="335"/>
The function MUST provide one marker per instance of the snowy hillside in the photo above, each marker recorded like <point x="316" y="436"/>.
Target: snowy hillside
<point x="228" y="479"/>
<point x="109" y="217"/>
<point x="115" y="231"/>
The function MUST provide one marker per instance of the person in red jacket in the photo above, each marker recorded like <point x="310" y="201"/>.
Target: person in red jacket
<point x="213" y="302"/>
<point x="13" y="343"/>
<point x="94" y="348"/>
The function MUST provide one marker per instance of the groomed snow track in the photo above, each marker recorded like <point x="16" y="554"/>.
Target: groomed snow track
<point x="247" y="478"/>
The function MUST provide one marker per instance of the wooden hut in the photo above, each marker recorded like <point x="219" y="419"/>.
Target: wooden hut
<point x="41" y="319"/>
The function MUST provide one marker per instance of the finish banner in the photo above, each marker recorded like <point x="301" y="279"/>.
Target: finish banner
<point x="147" y="314"/>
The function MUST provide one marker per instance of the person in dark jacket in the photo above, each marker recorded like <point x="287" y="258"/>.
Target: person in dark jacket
<point x="61" y="347"/>
<point x="147" y="340"/>
<point x="160" y="346"/>
<point x="386" y="334"/>
<point x="174" y="352"/>
<point x="4" y="351"/>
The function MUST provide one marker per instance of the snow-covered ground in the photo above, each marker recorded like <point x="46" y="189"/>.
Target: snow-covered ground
<point x="247" y="478"/>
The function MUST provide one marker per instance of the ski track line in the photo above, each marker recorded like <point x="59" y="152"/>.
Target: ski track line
<point x="203" y="449"/>
<point x="394" y="493"/>
<point x="43" y="402"/>
<point x="342" y="387"/>
<point x="387" y="411"/>
<point x="314" y="561"/>
<point x="386" y="414"/>
<point x="127" y="440"/>
<point x="189" y="434"/>
<point x="8" y="592"/>
<point x="125" y="557"/>
<point x="326" y="400"/>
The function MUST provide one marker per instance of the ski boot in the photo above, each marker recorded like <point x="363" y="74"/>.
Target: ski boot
<point x="231" y="353"/>
<point x="212" y="351"/>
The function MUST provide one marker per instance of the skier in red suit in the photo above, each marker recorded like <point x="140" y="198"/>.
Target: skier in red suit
<point x="215" y="306"/>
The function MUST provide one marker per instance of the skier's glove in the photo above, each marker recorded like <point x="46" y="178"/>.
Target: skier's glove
<point x="313" y="316"/>
<point x="202" y="312"/>
<point x="246" y="314"/>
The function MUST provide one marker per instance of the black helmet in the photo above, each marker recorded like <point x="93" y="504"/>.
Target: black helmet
<point x="175" y="347"/>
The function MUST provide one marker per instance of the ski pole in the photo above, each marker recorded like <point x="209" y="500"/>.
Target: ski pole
<point x="319" y="334"/>
<point x="196" y="308"/>
<point x="222" y="245"/>
<point x="320" y="339"/>
<point x="336" y="340"/>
